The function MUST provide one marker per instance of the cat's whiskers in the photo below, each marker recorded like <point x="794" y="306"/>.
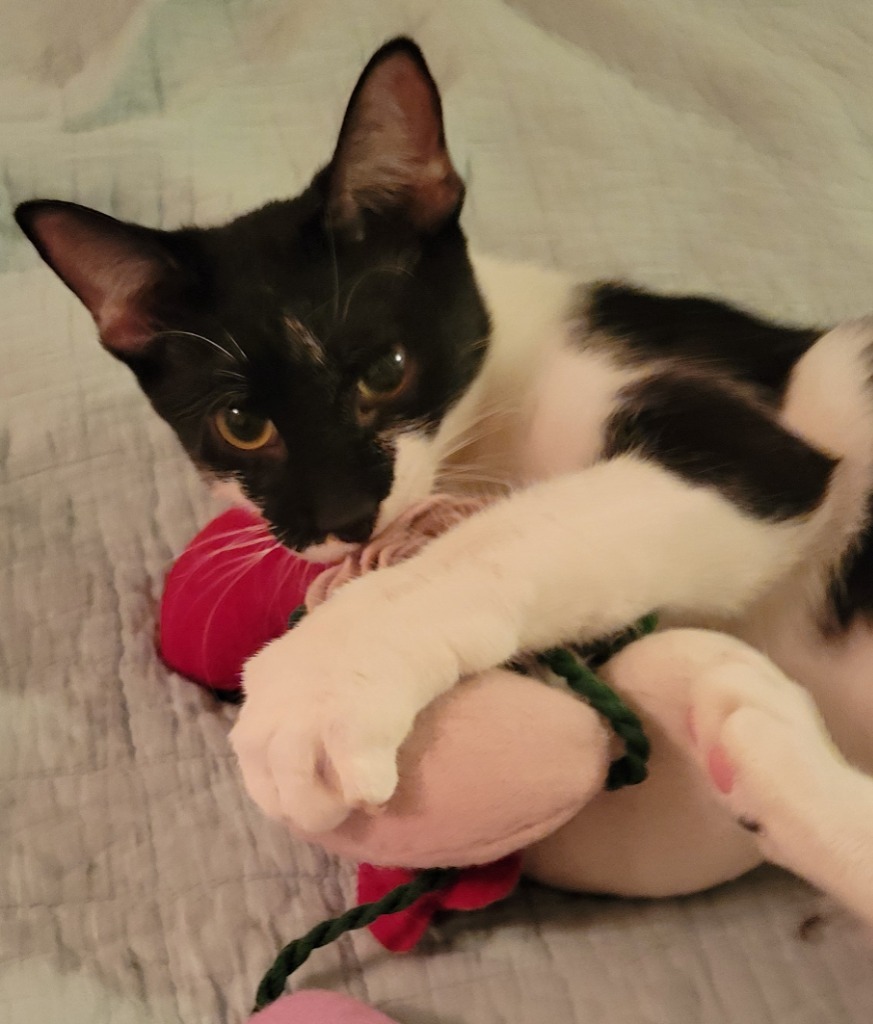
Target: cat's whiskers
<point x="200" y="407"/>
<point x="233" y="580"/>
<point x="488" y="423"/>
<point x="234" y="531"/>
<point x="231" y="375"/>
<point x="471" y="484"/>
<point x="235" y="344"/>
<point x="294" y="567"/>
<point x="199" y="337"/>
<point x="235" y="543"/>
<point x="462" y="468"/>
<point x="216" y="563"/>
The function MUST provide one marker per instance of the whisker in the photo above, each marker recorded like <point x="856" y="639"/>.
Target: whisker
<point x="206" y="404"/>
<point x="232" y="582"/>
<point x="244" y="544"/>
<point x="479" y="486"/>
<point x="472" y="434"/>
<point x="217" y="568"/>
<point x="235" y="344"/>
<point x="197" y="337"/>
<point x="231" y="375"/>
<point x="235" y="531"/>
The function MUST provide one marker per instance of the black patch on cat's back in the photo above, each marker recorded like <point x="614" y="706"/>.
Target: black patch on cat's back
<point x="698" y="330"/>
<point x="712" y="435"/>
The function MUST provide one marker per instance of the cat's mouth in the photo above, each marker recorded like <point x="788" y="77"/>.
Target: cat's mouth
<point x="327" y="551"/>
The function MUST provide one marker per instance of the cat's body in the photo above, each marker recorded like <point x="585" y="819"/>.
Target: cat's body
<point x="341" y="357"/>
<point x="550" y="392"/>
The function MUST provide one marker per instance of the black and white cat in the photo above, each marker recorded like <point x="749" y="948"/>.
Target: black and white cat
<point x="340" y="356"/>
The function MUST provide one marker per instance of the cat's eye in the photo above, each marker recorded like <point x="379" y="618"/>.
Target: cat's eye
<point x="385" y="377"/>
<point x="243" y="429"/>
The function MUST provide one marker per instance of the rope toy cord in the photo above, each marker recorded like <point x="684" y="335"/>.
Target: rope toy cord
<point x="296" y="953"/>
<point x="628" y="770"/>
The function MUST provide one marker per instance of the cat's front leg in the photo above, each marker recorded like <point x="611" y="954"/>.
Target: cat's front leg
<point x="329" y="703"/>
<point x="581" y="556"/>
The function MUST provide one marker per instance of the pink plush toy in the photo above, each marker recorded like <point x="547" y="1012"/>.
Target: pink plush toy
<point x="317" y="1007"/>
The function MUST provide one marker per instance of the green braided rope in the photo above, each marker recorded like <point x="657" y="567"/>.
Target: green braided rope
<point x="596" y="652"/>
<point x="296" y="953"/>
<point x="629" y="769"/>
<point x="632" y="768"/>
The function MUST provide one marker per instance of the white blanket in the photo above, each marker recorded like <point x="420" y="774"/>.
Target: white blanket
<point x="717" y="145"/>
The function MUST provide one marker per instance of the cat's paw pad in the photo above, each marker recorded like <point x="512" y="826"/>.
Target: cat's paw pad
<point x="759" y="738"/>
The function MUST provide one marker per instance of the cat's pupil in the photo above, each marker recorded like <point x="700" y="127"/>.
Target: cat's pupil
<point x="244" y="425"/>
<point x="385" y="375"/>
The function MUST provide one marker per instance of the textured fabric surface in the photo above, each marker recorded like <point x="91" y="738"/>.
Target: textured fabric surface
<point x="724" y="146"/>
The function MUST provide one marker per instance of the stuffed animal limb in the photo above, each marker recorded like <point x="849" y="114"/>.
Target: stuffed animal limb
<point x="743" y="770"/>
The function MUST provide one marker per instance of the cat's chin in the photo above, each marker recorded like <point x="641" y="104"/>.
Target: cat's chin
<point x="328" y="552"/>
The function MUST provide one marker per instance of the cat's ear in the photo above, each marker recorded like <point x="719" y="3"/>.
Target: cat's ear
<point x="391" y="157"/>
<point x="115" y="268"/>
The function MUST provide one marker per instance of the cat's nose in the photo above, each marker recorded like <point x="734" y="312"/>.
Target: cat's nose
<point x="355" y="532"/>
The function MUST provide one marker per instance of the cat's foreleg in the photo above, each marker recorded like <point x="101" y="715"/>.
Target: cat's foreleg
<point x="579" y="556"/>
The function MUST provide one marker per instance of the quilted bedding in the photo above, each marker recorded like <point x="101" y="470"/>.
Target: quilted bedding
<point x="718" y="146"/>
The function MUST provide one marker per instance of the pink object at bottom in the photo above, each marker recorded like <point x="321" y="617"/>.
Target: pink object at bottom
<point x="314" y="1006"/>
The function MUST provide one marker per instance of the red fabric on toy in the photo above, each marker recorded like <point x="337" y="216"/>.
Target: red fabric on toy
<point x="232" y="589"/>
<point x="229" y="593"/>
<point x="474" y="888"/>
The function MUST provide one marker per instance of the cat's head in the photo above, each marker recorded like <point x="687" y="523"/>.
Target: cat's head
<point x="310" y="349"/>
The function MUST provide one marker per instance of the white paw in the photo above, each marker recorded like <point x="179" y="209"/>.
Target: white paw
<point x="321" y="725"/>
<point x="761" y="740"/>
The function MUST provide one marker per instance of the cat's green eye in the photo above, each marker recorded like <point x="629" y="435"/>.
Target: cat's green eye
<point x="244" y="430"/>
<point x="385" y="377"/>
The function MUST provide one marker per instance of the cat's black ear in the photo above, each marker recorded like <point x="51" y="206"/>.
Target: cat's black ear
<point x="391" y="157"/>
<point x="115" y="268"/>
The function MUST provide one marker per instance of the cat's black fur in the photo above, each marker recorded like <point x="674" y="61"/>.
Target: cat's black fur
<point x="282" y="310"/>
<point x="714" y="437"/>
<point x="229" y="309"/>
<point x="700" y="330"/>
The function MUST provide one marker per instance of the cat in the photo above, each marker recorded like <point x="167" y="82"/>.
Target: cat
<point x="341" y="355"/>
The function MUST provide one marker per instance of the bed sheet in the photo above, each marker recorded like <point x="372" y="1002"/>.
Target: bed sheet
<point x="724" y="147"/>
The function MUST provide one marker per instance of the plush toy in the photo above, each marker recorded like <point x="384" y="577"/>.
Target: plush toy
<point x="317" y="1007"/>
<point x="507" y="772"/>
<point x="228" y="593"/>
